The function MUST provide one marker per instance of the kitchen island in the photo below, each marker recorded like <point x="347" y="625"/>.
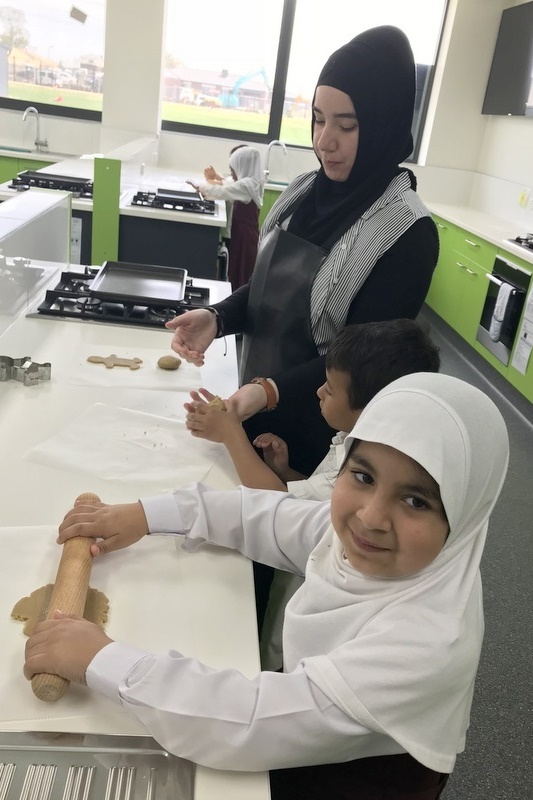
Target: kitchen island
<point x="212" y="609"/>
<point x="146" y="235"/>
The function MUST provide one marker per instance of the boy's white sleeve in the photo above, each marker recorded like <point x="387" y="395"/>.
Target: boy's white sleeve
<point x="269" y="527"/>
<point x="224" y="720"/>
<point x="316" y="487"/>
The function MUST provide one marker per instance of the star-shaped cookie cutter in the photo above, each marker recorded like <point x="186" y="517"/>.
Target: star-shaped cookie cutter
<point x="24" y="370"/>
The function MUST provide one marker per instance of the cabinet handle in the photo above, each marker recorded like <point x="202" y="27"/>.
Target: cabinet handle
<point x="471" y="272"/>
<point x="472" y="244"/>
<point x="461" y="266"/>
<point x="444" y="227"/>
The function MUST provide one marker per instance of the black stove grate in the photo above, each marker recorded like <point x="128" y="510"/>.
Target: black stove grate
<point x="174" y="201"/>
<point x="524" y="241"/>
<point x="80" y="187"/>
<point x="71" y="299"/>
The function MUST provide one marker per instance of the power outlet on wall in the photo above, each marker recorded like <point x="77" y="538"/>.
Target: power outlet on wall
<point x="523" y="197"/>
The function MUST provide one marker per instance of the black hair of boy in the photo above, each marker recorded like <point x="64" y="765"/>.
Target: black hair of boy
<point x="373" y="354"/>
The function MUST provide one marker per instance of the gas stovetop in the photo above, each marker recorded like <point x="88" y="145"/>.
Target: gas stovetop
<point x="524" y="241"/>
<point x="174" y="201"/>
<point x="80" y="187"/>
<point x="71" y="299"/>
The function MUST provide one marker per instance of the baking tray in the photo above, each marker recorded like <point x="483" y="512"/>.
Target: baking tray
<point x="139" y="283"/>
<point x="68" y="766"/>
<point x="179" y="194"/>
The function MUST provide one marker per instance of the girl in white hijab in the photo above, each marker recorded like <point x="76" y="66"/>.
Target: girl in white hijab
<point x="244" y="197"/>
<point x="381" y="643"/>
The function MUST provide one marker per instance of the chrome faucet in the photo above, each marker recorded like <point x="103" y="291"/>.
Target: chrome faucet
<point x="38" y="141"/>
<point x="273" y="143"/>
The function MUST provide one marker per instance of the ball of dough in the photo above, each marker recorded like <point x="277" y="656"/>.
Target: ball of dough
<point x="217" y="403"/>
<point x="168" y="362"/>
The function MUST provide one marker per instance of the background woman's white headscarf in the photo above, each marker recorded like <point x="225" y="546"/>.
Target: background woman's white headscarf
<point x="402" y="653"/>
<point x="246" y="164"/>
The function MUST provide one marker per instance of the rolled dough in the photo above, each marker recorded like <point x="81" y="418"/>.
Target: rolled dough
<point x="33" y="609"/>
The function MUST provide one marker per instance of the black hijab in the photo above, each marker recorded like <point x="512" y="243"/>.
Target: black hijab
<point x="377" y="71"/>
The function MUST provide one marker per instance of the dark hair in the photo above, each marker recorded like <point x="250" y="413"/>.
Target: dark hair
<point x="374" y="354"/>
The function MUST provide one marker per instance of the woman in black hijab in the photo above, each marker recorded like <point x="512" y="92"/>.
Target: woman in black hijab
<point x="350" y="242"/>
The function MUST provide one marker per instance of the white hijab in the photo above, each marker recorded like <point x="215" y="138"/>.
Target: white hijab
<point x="246" y="164"/>
<point x="400" y="655"/>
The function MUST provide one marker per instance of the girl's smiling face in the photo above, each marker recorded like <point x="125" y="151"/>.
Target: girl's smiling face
<point x="387" y="512"/>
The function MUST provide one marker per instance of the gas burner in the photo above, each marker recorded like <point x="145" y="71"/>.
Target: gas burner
<point x="162" y="314"/>
<point x="89" y="303"/>
<point x="81" y="286"/>
<point x="524" y="241"/>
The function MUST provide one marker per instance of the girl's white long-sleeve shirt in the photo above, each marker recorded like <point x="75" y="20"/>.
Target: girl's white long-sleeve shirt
<point x="220" y="718"/>
<point x="230" y="190"/>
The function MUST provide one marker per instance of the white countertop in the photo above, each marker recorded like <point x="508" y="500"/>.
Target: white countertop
<point x="494" y="229"/>
<point x="34" y="494"/>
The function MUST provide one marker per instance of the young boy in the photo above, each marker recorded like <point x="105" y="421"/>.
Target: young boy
<point x="360" y="362"/>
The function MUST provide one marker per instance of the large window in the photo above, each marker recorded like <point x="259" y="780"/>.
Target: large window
<point x="235" y="73"/>
<point x="220" y="63"/>
<point x="53" y="54"/>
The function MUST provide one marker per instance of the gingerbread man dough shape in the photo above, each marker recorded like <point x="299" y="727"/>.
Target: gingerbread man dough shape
<point x="114" y="361"/>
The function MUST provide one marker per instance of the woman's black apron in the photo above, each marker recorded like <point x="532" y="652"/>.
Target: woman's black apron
<point x="278" y="336"/>
<point x="277" y="333"/>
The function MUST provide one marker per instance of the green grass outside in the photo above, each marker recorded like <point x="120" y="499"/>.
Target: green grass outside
<point x="294" y="131"/>
<point x="74" y="98"/>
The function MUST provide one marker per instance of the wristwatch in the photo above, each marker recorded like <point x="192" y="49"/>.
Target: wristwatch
<point x="272" y="399"/>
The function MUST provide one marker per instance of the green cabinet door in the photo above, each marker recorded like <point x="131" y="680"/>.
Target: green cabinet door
<point x="443" y="291"/>
<point x="473" y="284"/>
<point x="8" y="168"/>
<point x="269" y="198"/>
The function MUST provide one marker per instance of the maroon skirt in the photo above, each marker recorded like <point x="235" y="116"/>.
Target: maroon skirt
<point x="243" y="243"/>
<point x="398" y="777"/>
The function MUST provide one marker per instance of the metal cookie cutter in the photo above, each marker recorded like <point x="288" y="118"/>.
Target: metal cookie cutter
<point x="24" y="370"/>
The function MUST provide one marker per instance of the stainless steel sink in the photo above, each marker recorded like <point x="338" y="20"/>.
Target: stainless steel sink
<point x="69" y="766"/>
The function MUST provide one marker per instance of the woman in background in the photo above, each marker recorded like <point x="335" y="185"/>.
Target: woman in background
<point x="244" y="195"/>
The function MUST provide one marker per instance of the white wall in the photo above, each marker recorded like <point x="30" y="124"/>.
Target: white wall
<point x="466" y="156"/>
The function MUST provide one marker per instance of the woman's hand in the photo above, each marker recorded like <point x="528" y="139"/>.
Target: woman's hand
<point x="247" y="401"/>
<point x="65" y="646"/>
<point x="115" y="526"/>
<point x="193" y="333"/>
<point x="275" y="453"/>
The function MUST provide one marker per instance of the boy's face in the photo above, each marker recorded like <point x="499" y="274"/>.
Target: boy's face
<point x="387" y="512"/>
<point x="335" y="403"/>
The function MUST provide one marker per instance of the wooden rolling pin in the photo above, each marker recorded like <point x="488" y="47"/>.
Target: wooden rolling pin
<point x="69" y="595"/>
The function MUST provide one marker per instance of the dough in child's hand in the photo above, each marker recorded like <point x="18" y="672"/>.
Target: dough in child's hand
<point x="217" y="403"/>
<point x="169" y="362"/>
<point x="33" y="609"/>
